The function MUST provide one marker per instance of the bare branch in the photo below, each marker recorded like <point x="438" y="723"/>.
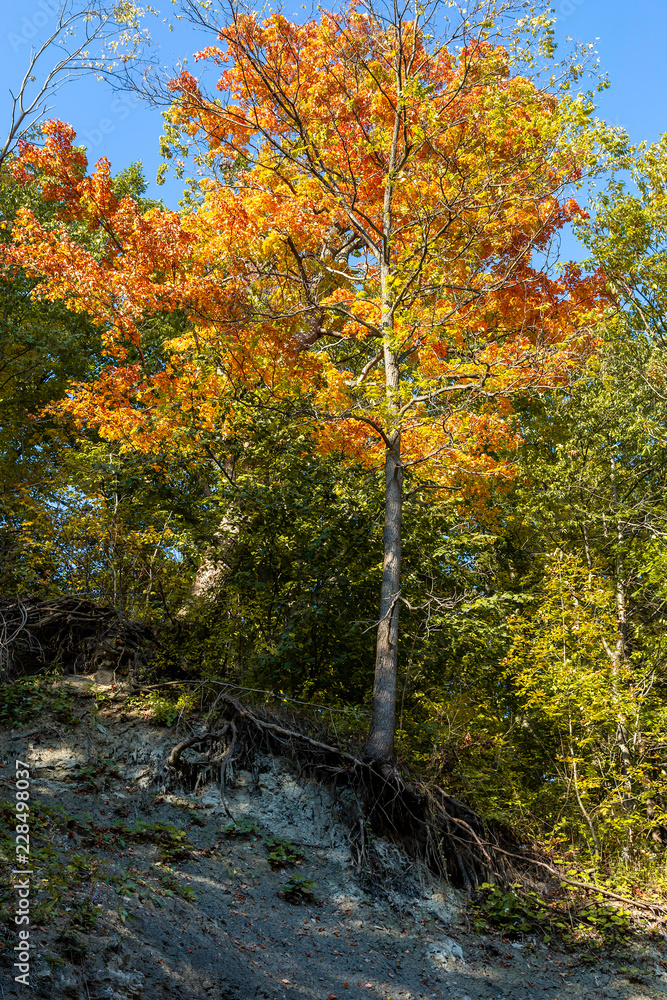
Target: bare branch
<point x="84" y="38"/>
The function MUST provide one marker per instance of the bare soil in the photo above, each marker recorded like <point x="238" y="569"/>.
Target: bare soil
<point x="122" y="916"/>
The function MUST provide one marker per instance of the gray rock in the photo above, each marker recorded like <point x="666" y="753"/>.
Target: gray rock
<point x="444" y="952"/>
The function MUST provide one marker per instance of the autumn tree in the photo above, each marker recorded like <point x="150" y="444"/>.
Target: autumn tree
<point x="399" y="189"/>
<point x="76" y="515"/>
<point x="369" y="250"/>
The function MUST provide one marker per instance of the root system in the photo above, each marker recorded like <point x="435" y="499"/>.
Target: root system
<point x="73" y="634"/>
<point x="432" y="826"/>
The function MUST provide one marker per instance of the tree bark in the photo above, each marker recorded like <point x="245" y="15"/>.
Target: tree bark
<point x="215" y="567"/>
<point x="380" y="743"/>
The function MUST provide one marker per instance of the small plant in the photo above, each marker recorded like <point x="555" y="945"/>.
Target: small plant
<point x="125" y="886"/>
<point x="173" y="843"/>
<point x="102" y="699"/>
<point x="298" y="890"/>
<point x="170" y="885"/>
<point x="187" y="702"/>
<point x="161" y="882"/>
<point x="157" y="708"/>
<point x="244" y="828"/>
<point x="611" y="923"/>
<point x="125" y="915"/>
<point x="509" y="912"/>
<point x="282" y="853"/>
<point x="84" y="917"/>
<point x="81" y="868"/>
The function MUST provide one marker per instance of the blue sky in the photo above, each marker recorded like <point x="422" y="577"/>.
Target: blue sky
<point x="630" y="35"/>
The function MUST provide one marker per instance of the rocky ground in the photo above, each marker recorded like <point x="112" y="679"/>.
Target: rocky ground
<point x="139" y="890"/>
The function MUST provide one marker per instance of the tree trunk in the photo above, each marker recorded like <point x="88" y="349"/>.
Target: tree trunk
<point x="380" y="744"/>
<point x="215" y="567"/>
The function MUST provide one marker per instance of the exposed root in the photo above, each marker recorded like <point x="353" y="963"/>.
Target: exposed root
<point x="223" y="762"/>
<point x="433" y="828"/>
<point x="73" y="633"/>
<point x="176" y="755"/>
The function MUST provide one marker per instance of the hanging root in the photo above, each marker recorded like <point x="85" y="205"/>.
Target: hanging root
<point x="73" y="633"/>
<point x="432" y="826"/>
<point x="223" y="762"/>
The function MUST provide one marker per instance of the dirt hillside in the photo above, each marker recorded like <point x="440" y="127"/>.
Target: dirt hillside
<point x="140" y="890"/>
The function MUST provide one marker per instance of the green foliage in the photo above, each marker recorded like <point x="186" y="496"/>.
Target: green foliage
<point x="162" y="882"/>
<point x="612" y="923"/>
<point x="173" y="843"/>
<point x="170" y="885"/>
<point x="282" y="853"/>
<point x="293" y="541"/>
<point x="298" y="890"/>
<point x="572" y="686"/>
<point x="160" y="709"/>
<point x="109" y="527"/>
<point x="515" y="912"/>
<point x="83" y="916"/>
<point x="243" y="828"/>
<point x="511" y="913"/>
<point x="23" y="700"/>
